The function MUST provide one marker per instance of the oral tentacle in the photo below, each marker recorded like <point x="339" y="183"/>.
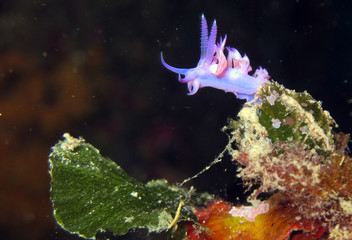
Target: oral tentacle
<point x="171" y="68"/>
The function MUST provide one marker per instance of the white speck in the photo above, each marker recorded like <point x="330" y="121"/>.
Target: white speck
<point x="135" y="194"/>
<point x="304" y="129"/>
<point x="249" y="213"/>
<point x="70" y="143"/>
<point x="272" y="98"/>
<point x="128" y="219"/>
<point x="276" y="123"/>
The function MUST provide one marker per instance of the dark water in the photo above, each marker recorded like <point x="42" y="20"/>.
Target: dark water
<point x="92" y="68"/>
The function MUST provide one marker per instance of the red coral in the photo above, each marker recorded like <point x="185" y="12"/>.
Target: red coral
<point x="281" y="222"/>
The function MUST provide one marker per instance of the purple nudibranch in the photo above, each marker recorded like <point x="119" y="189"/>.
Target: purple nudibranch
<point x="216" y="70"/>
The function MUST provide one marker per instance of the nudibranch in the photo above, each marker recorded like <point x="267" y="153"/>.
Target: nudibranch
<point x="216" y="70"/>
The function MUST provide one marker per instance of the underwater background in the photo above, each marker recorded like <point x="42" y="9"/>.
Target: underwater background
<point x="92" y="68"/>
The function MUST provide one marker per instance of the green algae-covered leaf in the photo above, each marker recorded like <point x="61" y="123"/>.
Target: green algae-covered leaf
<point x="91" y="193"/>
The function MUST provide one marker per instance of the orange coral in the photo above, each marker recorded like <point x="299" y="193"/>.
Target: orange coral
<point x="280" y="222"/>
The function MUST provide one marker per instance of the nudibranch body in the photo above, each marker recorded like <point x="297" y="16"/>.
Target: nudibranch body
<point x="215" y="70"/>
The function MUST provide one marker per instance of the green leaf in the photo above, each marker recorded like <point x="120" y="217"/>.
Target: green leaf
<point x="91" y="193"/>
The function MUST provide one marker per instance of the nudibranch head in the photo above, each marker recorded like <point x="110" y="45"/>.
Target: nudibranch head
<point x="216" y="70"/>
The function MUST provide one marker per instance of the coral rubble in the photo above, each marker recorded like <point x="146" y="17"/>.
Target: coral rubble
<point x="287" y="146"/>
